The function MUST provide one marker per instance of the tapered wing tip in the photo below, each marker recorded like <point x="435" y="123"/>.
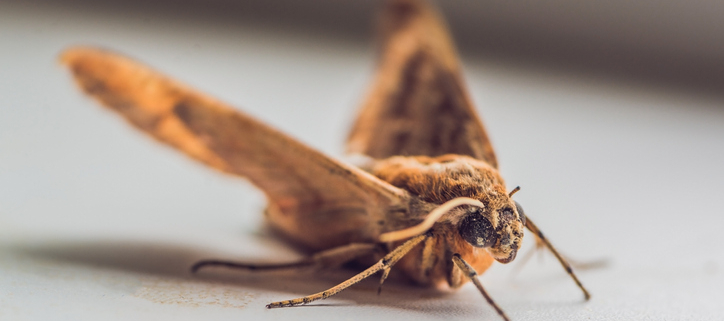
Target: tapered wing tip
<point x="74" y="54"/>
<point x="83" y="62"/>
<point x="81" y="55"/>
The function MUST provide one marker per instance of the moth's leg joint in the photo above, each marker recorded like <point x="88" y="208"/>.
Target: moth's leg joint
<point x="470" y="272"/>
<point x="472" y="275"/>
<point x="385" y="262"/>
<point x="381" y="265"/>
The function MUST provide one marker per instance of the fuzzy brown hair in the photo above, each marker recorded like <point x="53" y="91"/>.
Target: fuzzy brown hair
<point x="440" y="179"/>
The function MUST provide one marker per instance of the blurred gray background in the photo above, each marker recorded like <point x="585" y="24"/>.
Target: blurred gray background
<point x="608" y="115"/>
<point x="653" y="41"/>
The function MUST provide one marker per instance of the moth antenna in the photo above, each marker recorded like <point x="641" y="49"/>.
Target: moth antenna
<point x="515" y="190"/>
<point x="533" y="228"/>
<point x="430" y="220"/>
<point x="328" y="258"/>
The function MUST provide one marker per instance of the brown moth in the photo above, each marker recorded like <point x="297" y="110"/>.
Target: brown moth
<point x="431" y="202"/>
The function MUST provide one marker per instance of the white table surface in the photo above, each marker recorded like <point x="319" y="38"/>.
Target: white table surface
<point x="99" y="222"/>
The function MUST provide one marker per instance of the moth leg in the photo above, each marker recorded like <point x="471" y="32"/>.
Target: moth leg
<point x="427" y="261"/>
<point x="385" y="274"/>
<point x="473" y="276"/>
<point x="533" y="228"/>
<point x="385" y="263"/>
<point x="324" y="259"/>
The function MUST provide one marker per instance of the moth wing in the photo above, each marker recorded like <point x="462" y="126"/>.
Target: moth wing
<point x="314" y="200"/>
<point x="418" y="104"/>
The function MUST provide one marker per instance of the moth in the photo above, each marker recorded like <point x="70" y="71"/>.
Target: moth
<point x="430" y="203"/>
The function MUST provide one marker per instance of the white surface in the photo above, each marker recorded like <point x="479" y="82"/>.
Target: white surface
<point x="97" y="221"/>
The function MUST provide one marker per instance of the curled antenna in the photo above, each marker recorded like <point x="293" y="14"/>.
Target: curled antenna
<point x="430" y="220"/>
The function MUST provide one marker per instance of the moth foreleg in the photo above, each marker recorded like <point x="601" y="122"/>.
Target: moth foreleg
<point x="385" y="274"/>
<point x="385" y="263"/>
<point x="473" y="276"/>
<point x="325" y="259"/>
<point x="533" y="228"/>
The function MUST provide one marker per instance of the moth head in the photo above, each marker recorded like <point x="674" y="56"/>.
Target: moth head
<point x="498" y="228"/>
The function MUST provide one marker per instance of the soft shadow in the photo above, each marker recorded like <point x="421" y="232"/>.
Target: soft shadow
<point x="174" y="261"/>
<point x="127" y="255"/>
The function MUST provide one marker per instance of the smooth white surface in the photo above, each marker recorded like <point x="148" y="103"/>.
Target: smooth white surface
<point x="97" y="221"/>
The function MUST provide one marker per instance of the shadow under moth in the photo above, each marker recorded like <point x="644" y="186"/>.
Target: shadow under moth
<point x="430" y="202"/>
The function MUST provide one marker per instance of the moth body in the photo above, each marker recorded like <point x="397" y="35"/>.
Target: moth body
<point x="429" y="182"/>
<point x="431" y="203"/>
<point x="436" y="180"/>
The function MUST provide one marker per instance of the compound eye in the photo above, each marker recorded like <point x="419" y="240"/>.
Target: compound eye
<point x="520" y="212"/>
<point x="477" y="230"/>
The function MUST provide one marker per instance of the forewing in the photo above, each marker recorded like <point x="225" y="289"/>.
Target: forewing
<point x="314" y="200"/>
<point x="418" y="104"/>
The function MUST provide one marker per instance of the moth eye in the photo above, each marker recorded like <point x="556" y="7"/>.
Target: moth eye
<point x="477" y="230"/>
<point x="520" y="212"/>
